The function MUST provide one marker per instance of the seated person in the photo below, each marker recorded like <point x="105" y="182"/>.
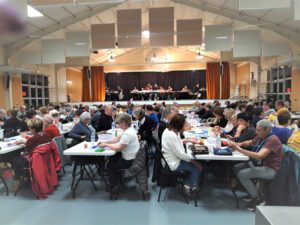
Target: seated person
<point x="49" y="126"/>
<point x="220" y="119"/>
<point x="228" y="114"/>
<point x="280" y="107"/>
<point x="208" y="113"/>
<point x="174" y="153"/>
<point x="106" y="119"/>
<point x="43" y="111"/>
<point x="81" y="131"/>
<point x="146" y="125"/>
<point x="127" y="144"/>
<point x="257" y="116"/>
<point x="38" y="138"/>
<point x="282" y="131"/>
<point x="2" y="117"/>
<point x="294" y="140"/>
<point x="152" y="115"/>
<point x="167" y="115"/>
<point x="266" y="158"/>
<point x="95" y="116"/>
<point x="13" y="126"/>
<point x="268" y="109"/>
<point x="56" y="116"/>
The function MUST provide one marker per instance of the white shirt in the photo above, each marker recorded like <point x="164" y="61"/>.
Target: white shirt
<point x="173" y="149"/>
<point x="130" y="139"/>
<point x="228" y="127"/>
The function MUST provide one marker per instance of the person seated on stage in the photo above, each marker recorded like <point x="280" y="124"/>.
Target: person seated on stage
<point x="161" y="89"/>
<point x="185" y="89"/>
<point x="38" y="138"/>
<point x="81" y="131"/>
<point x="49" y="127"/>
<point x="155" y="87"/>
<point x="197" y="88"/>
<point x="13" y="126"/>
<point x="169" y="88"/>
<point x="120" y="93"/>
<point x="127" y="144"/>
<point x="135" y="89"/>
<point x="152" y="115"/>
<point x="174" y="153"/>
<point x="106" y="119"/>
<point x="95" y="116"/>
<point x="146" y="125"/>
<point x="148" y="87"/>
<point x="167" y="115"/>
<point x="220" y="119"/>
<point x="266" y="156"/>
<point x="282" y="130"/>
<point x="208" y="112"/>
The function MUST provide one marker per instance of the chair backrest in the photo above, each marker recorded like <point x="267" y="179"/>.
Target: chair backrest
<point x="61" y="145"/>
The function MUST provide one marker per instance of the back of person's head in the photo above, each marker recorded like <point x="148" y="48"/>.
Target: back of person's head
<point x="30" y="114"/>
<point x="258" y="111"/>
<point x="124" y="118"/>
<point x="138" y="113"/>
<point x="85" y="116"/>
<point x="228" y="113"/>
<point x="166" y="112"/>
<point x="242" y="107"/>
<point x="157" y="109"/>
<point x="177" y="123"/>
<point x="43" y="110"/>
<point x="249" y="109"/>
<point x="48" y="119"/>
<point x="208" y="106"/>
<point x="13" y="113"/>
<point x="36" y="124"/>
<point x="149" y="107"/>
<point x="284" y="117"/>
<point x="92" y="108"/>
<point x="218" y="111"/>
<point x="78" y="112"/>
<point x="244" y="116"/>
<point x="2" y="112"/>
<point x="280" y="103"/>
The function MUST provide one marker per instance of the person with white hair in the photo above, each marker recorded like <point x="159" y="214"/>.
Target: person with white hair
<point x="95" y="116"/>
<point x="81" y="131"/>
<point x="266" y="156"/>
<point x="49" y="126"/>
<point x="2" y="117"/>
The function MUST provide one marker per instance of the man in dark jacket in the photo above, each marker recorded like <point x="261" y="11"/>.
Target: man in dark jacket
<point x="106" y="119"/>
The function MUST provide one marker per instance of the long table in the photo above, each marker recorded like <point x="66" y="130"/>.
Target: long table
<point x="84" y="155"/>
<point x="164" y="95"/>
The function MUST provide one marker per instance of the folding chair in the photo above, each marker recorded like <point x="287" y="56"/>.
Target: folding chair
<point x="61" y="145"/>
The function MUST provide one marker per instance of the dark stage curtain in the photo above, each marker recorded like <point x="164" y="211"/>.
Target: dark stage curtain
<point x="176" y="79"/>
<point x="213" y="80"/>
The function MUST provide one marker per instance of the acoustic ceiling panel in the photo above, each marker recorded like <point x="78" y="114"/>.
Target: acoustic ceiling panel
<point x="77" y="44"/>
<point x="297" y="9"/>
<point x="21" y="6"/>
<point x="53" y="51"/>
<point x="275" y="49"/>
<point x="30" y="57"/>
<point x="263" y="4"/>
<point x="103" y="36"/>
<point x="189" y="32"/>
<point x="218" y="37"/>
<point x="161" y="26"/>
<point x="50" y="2"/>
<point x="129" y="26"/>
<point x="246" y="43"/>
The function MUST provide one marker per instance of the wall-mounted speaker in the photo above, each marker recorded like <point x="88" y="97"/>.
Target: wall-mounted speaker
<point x="89" y="74"/>
<point x="7" y="80"/>
<point x="221" y="69"/>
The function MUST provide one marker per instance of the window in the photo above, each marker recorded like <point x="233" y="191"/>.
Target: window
<point x="35" y="90"/>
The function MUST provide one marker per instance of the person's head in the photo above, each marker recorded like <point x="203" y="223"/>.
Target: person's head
<point x="258" y="112"/>
<point x="244" y="119"/>
<point x="31" y="114"/>
<point x="177" y="123"/>
<point x="2" y="113"/>
<point x="93" y="109"/>
<point x="123" y="121"/>
<point x="208" y="107"/>
<point x="227" y="103"/>
<point x="287" y="104"/>
<point x="218" y="112"/>
<point x="242" y="107"/>
<point x="149" y="109"/>
<point x="279" y="104"/>
<point x="77" y="113"/>
<point x="85" y="118"/>
<point x="35" y="125"/>
<point x="228" y="113"/>
<point x="23" y="108"/>
<point x="47" y="120"/>
<point x="138" y="113"/>
<point x="249" y="109"/>
<point x="43" y="111"/>
<point x="169" y="112"/>
<point x="108" y="110"/>
<point x="263" y="128"/>
<point x="13" y="113"/>
<point x="284" y="118"/>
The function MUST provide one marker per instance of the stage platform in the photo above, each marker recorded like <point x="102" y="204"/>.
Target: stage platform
<point x="168" y="102"/>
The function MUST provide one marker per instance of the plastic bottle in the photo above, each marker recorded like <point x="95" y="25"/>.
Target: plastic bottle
<point x="93" y="135"/>
<point x="219" y="141"/>
<point x="113" y="125"/>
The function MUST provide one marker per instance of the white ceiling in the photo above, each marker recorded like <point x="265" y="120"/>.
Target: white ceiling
<point x="59" y="19"/>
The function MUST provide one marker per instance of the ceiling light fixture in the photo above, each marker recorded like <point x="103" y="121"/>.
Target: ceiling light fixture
<point x="146" y="33"/>
<point x="221" y="37"/>
<point x="111" y="59"/>
<point x="154" y="58"/>
<point x="81" y="43"/>
<point x="199" y="56"/>
<point x="32" y="12"/>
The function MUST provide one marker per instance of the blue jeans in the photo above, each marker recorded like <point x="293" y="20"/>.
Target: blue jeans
<point x="194" y="177"/>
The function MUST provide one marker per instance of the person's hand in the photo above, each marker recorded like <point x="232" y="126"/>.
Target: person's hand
<point x="23" y="134"/>
<point x="197" y="164"/>
<point x="102" y="145"/>
<point x="20" y="142"/>
<point x="193" y="140"/>
<point x="102" y="132"/>
<point x="233" y="145"/>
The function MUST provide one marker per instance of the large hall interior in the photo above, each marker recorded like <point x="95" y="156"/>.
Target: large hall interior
<point x="183" y="111"/>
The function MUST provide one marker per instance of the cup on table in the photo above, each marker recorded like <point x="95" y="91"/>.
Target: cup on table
<point x="85" y="145"/>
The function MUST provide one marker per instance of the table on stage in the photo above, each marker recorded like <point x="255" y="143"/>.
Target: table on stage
<point x="165" y="95"/>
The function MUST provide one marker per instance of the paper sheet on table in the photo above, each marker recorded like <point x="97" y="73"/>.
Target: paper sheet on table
<point x="105" y="137"/>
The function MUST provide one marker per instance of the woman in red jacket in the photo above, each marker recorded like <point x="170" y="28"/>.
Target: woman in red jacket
<point x="49" y="126"/>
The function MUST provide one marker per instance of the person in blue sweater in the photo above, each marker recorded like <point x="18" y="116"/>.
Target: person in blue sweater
<point x="282" y="131"/>
<point x="81" y="131"/>
<point x="152" y="115"/>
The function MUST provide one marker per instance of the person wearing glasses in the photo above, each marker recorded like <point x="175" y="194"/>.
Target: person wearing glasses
<point x="127" y="144"/>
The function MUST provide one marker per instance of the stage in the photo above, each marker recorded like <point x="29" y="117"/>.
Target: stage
<point x="168" y="102"/>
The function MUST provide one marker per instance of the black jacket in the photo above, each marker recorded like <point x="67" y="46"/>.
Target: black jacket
<point x="145" y="130"/>
<point x="161" y="128"/>
<point x="13" y="127"/>
<point x="206" y="115"/>
<point x="105" y="122"/>
<point x="285" y="187"/>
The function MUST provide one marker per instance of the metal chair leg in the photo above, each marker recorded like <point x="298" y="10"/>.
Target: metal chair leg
<point x="159" y="194"/>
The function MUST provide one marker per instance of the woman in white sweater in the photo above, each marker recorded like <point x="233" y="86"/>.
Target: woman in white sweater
<point x="174" y="152"/>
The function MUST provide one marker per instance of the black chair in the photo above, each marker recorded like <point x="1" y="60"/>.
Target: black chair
<point x="171" y="179"/>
